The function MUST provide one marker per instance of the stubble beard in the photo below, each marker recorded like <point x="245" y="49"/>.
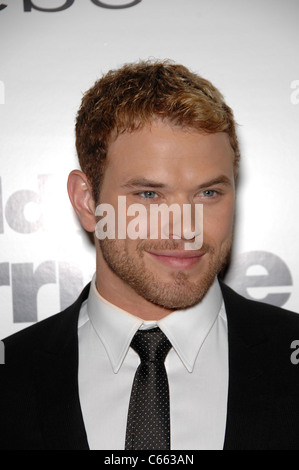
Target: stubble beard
<point x="179" y="293"/>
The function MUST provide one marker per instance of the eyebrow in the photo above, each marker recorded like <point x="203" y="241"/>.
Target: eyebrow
<point x="135" y="183"/>
<point x="220" y="180"/>
<point x="143" y="182"/>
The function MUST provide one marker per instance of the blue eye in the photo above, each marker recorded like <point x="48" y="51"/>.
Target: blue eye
<point x="209" y="193"/>
<point x="148" y="194"/>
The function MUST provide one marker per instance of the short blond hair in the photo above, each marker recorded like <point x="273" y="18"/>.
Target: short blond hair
<point x="132" y="96"/>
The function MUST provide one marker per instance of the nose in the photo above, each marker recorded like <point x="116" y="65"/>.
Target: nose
<point x="184" y="222"/>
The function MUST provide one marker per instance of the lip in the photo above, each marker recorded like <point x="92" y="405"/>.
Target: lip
<point x="177" y="259"/>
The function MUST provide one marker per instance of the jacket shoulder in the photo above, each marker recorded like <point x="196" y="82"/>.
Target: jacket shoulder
<point x="46" y="334"/>
<point x="245" y="312"/>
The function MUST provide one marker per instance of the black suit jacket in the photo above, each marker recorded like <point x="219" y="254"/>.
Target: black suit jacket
<point x="39" y="399"/>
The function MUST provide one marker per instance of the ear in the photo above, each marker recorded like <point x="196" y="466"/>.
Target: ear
<point x="80" y="194"/>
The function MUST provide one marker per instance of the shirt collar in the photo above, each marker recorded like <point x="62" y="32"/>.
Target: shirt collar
<point x="186" y="329"/>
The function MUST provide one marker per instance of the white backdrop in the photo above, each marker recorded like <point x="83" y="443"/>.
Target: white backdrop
<point x="248" y="49"/>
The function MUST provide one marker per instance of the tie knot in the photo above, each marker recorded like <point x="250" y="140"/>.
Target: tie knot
<point x="151" y="345"/>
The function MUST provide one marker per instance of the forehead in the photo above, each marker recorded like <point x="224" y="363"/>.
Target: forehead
<point x="163" y="151"/>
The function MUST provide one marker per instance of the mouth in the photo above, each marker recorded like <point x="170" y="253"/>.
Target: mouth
<point x="177" y="259"/>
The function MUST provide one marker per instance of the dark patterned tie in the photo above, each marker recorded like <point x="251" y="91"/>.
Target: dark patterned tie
<point x="148" y="426"/>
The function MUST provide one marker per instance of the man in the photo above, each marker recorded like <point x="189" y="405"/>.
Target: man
<point x="157" y="353"/>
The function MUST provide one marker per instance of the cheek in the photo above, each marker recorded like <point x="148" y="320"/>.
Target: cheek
<point x="218" y="223"/>
<point x="134" y="223"/>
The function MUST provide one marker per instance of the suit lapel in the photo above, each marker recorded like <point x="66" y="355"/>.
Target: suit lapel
<point x="249" y="354"/>
<point x="56" y="377"/>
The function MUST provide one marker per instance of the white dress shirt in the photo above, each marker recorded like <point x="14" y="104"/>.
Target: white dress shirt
<point x="196" y="366"/>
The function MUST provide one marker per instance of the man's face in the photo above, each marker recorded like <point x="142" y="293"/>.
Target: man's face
<point x="166" y="164"/>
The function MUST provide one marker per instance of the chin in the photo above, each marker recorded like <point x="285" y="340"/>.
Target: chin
<point x="178" y="294"/>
